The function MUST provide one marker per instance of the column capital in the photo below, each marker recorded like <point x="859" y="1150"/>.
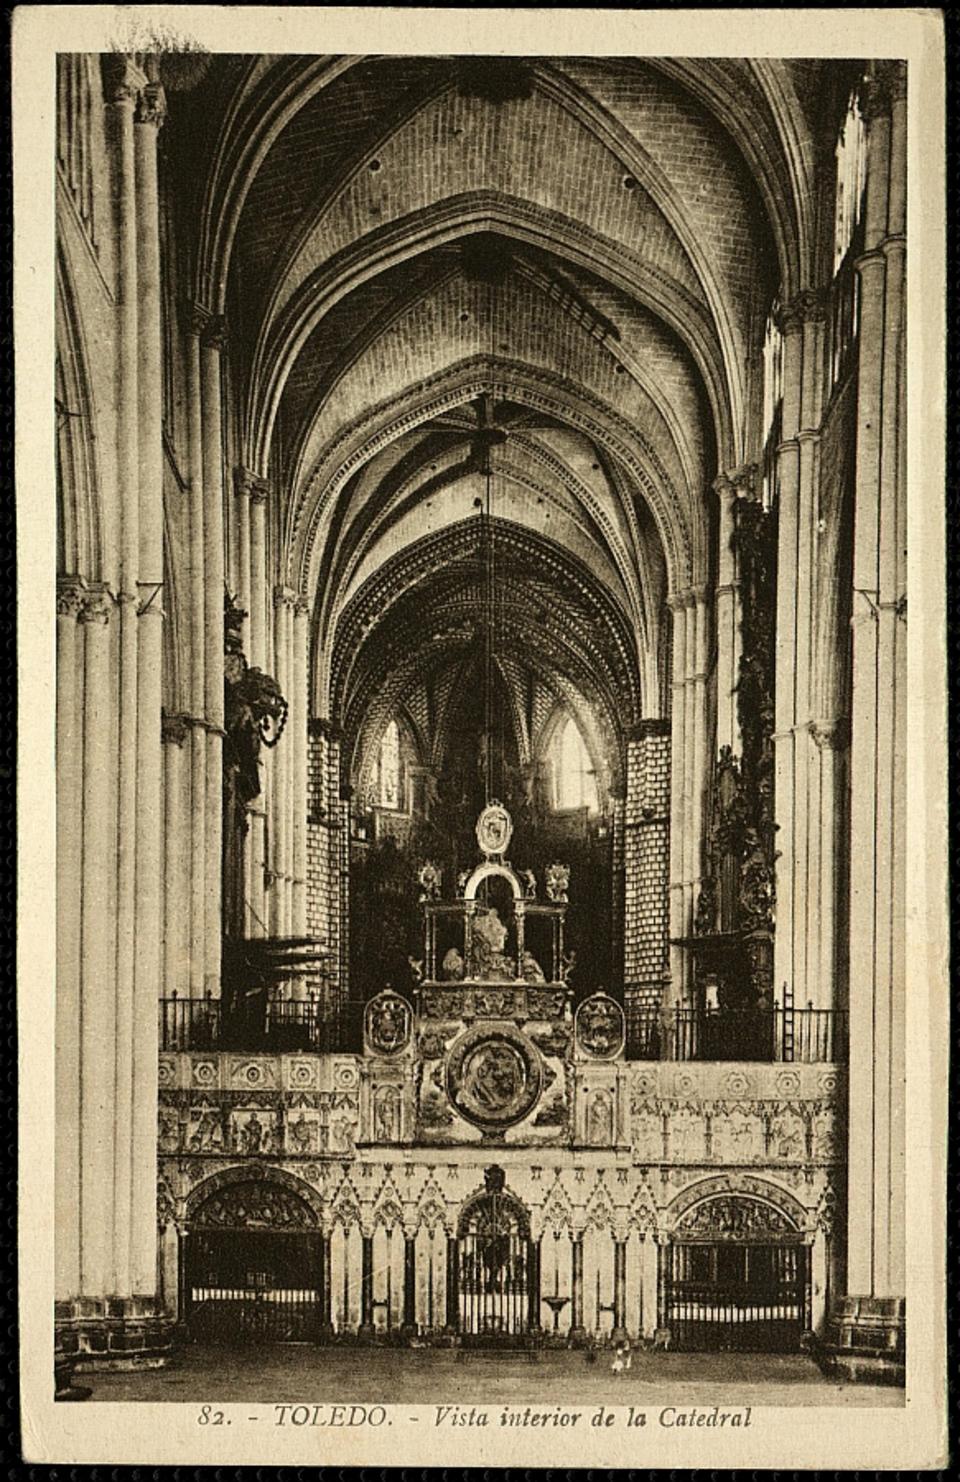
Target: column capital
<point x="71" y="595"/>
<point x="151" y="105"/>
<point x="123" y="80"/>
<point x="808" y="305"/>
<point x="651" y="726"/>
<point x="284" y="596"/>
<point x="831" y="735"/>
<point x="321" y="726"/>
<point x="738" y="483"/>
<point x="214" y="336"/>
<point x="174" y="729"/>
<point x="250" y="485"/>
<point x="724" y="488"/>
<point x="301" y="605"/>
<point x="96" y="607"/>
<point x="195" y="318"/>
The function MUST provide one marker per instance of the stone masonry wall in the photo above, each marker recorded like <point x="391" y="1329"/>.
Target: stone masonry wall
<point x="646" y="862"/>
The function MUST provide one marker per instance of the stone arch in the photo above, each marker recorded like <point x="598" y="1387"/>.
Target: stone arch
<point x="680" y="525"/>
<point x="454" y="219"/>
<point x="477" y="1203"/>
<point x="290" y="1192"/>
<point x="267" y="101"/>
<point x="772" y="1207"/>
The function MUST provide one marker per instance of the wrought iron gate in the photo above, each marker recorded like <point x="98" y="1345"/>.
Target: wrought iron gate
<point x="253" y="1286"/>
<point x="747" y="1297"/>
<point x="497" y="1277"/>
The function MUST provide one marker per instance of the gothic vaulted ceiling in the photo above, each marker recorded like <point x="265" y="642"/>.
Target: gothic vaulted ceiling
<point x="579" y="254"/>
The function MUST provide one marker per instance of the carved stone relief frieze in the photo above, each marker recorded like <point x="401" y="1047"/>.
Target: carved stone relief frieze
<point x="205" y="1132"/>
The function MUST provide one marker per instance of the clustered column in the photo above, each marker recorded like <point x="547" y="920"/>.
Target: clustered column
<point x="876" y="1214"/>
<point x="110" y="849"/>
<point x="250" y="498"/>
<point x="688" y="755"/>
<point x="729" y="487"/>
<point x="805" y="839"/>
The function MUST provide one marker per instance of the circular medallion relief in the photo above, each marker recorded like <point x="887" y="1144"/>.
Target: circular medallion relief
<point x="600" y="1027"/>
<point x="494" y="829"/>
<point x="493" y="1076"/>
<point x="388" y="1022"/>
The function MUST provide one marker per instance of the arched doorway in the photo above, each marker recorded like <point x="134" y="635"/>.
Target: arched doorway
<point x="735" y="1277"/>
<point x="253" y="1265"/>
<point x="498" y="1275"/>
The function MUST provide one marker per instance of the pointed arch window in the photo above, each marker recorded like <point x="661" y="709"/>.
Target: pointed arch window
<point x="851" y="156"/>
<point x="388" y="768"/>
<point x="574" y="778"/>
<point x="851" y="181"/>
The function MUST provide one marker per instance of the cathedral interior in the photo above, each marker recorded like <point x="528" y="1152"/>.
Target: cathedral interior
<point x="480" y="704"/>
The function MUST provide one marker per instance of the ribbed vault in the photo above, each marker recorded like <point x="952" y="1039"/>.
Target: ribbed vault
<point x="580" y="252"/>
<point x="421" y="618"/>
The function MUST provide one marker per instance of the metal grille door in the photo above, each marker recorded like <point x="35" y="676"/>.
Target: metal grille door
<point x="743" y="1298"/>
<point x="494" y="1271"/>
<point x="246" y="1287"/>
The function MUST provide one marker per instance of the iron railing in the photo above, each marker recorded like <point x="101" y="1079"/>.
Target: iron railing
<point x="272" y="1025"/>
<point x="806" y="1035"/>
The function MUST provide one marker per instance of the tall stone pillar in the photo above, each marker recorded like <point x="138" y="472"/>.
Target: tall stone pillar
<point x="212" y="437"/>
<point x="784" y="738"/>
<point x="577" y="1330"/>
<point x="832" y="740"/>
<point x="699" y="772"/>
<point x="366" y="1286"/>
<point x="149" y="817"/>
<point x="126" y="83"/>
<point x="619" y="1333"/>
<point x="257" y="499"/>
<point x="727" y="617"/>
<point x="282" y="774"/>
<point x="453" y="1285"/>
<point x="298" y="719"/>
<point x="326" y="1284"/>
<point x="664" y="1256"/>
<point x="645" y="863"/>
<point x="678" y="687"/>
<point x="98" y="1003"/>
<point x="241" y="594"/>
<point x="70" y="600"/>
<point x="409" y="1324"/>
<point x="196" y="320"/>
<point x="176" y="873"/>
<point x="876" y="1216"/>
<point x="533" y="1285"/>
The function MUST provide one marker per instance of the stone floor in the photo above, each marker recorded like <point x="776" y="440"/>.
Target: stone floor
<point x="287" y="1374"/>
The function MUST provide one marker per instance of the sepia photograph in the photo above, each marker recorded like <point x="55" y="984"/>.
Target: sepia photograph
<point x="480" y="757"/>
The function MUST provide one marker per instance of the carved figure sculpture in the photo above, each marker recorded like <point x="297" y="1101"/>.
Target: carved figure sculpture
<point x="386" y="1115"/>
<point x="452" y="969"/>
<point x="532" y="971"/>
<point x="255" y="713"/>
<point x="489" y="939"/>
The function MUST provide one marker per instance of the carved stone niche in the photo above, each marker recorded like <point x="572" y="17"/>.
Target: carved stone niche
<point x="258" y="1204"/>
<point x="735" y="1218"/>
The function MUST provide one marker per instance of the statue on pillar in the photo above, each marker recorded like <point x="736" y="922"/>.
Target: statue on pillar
<point x="254" y="715"/>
